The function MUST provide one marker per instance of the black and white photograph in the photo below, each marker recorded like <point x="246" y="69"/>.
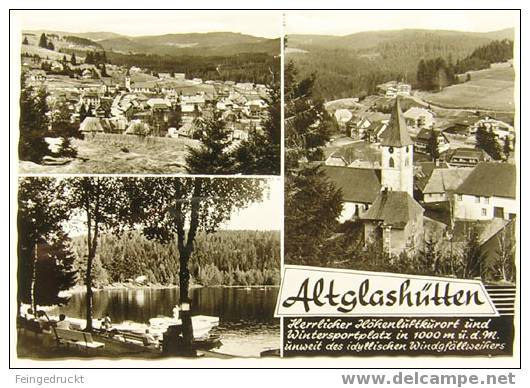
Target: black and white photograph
<point x="404" y="146"/>
<point x="174" y="92"/>
<point x="150" y="268"/>
<point x="401" y="149"/>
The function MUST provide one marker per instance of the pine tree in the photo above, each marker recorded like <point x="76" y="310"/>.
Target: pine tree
<point x="82" y="113"/>
<point x="432" y="146"/>
<point x="51" y="46"/>
<point x="54" y="271"/>
<point x="507" y="147"/>
<point x="73" y="59"/>
<point x="43" y="41"/>
<point x="260" y="153"/>
<point x="213" y="155"/>
<point x="33" y="124"/>
<point x="421" y="74"/>
<point x="487" y="141"/>
<point x="473" y="256"/>
<point x="25" y="41"/>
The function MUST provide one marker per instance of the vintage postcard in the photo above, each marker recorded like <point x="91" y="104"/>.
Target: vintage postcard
<point x="265" y="189"/>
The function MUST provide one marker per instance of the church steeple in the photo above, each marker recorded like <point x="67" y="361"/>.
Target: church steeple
<point x="396" y="134"/>
<point x="397" y="150"/>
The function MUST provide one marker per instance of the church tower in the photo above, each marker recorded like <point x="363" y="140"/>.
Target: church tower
<point x="397" y="148"/>
<point x="128" y="80"/>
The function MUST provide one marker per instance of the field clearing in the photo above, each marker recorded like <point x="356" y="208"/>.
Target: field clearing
<point x="489" y="89"/>
<point x="121" y="154"/>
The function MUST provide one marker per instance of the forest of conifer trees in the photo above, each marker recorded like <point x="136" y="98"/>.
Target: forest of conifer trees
<point x="241" y="258"/>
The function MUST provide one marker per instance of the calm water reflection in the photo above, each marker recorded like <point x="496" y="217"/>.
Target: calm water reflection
<point x="246" y="318"/>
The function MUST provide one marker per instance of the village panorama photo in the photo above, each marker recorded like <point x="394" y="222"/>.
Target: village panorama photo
<point x="149" y="92"/>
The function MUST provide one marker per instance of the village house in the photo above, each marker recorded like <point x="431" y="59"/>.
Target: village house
<point x="91" y="98"/>
<point x="465" y="157"/>
<point x="419" y="118"/>
<point x="442" y="184"/>
<point x="370" y="126"/>
<point x="488" y="192"/>
<point x="501" y="129"/>
<point x="423" y="138"/>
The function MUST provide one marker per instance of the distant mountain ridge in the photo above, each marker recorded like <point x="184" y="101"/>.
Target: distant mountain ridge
<point x="353" y="65"/>
<point x="209" y="43"/>
<point x="370" y="39"/>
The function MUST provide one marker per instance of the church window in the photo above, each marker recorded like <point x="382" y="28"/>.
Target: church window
<point x="407" y="149"/>
<point x="391" y="162"/>
<point x="391" y="150"/>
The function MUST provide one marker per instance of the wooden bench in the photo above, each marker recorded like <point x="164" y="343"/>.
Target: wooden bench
<point x="78" y="338"/>
<point x="132" y="337"/>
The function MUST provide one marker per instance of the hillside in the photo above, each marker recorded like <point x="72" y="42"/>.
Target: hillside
<point x="353" y="65"/>
<point x="489" y="89"/>
<point x="194" y="44"/>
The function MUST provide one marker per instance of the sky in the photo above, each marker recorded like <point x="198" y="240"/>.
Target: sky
<point x="265" y="215"/>
<point x="349" y="22"/>
<point x="136" y="23"/>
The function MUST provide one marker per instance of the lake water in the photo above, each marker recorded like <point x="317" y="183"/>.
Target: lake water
<point x="246" y="322"/>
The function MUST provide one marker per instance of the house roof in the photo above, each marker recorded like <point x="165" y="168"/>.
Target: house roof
<point x="490" y="179"/>
<point x="359" y="185"/>
<point x="424" y="134"/>
<point x="468" y="153"/>
<point x="396" y="134"/>
<point x="446" y="179"/>
<point x="91" y="124"/>
<point x="416" y="112"/>
<point x="393" y="208"/>
<point x="137" y="128"/>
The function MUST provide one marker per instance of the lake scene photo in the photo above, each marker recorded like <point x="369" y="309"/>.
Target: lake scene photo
<point x="118" y="267"/>
<point x="246" y="322"/>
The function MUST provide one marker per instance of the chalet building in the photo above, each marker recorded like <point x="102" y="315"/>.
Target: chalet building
<point x="442" y="184"/>
<point x="466" y="157"/>
<point x="91" y="125"/>
<point x="37" y="76"/>
<point x="392" y="89"/>
<point x="423" y="138"/>
<point x="500" y="128"/>
<point x="488" y="192"/>
<point x="343" y="117"/>
<point x="370" y="127"/>
<point x="91" y="98"/>
<point x="418" y="118"/>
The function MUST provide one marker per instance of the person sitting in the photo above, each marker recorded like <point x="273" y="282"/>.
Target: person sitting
<point x="29" y="314"/>
<point x="63" y="323"/>
<point x="107" y="322"/>
<point x="43" y="320"/>
<point x="151" y="340"/>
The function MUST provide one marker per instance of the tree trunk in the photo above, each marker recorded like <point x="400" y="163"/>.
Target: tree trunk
<point x="89" y="294"/>
<point x="185" y="315"/>
<point x="33" y="281"/>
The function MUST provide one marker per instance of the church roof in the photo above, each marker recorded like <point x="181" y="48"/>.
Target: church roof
<point x="396" y="133"/>
<point x="360" y="185"/>
<point x="394" y="208"/>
